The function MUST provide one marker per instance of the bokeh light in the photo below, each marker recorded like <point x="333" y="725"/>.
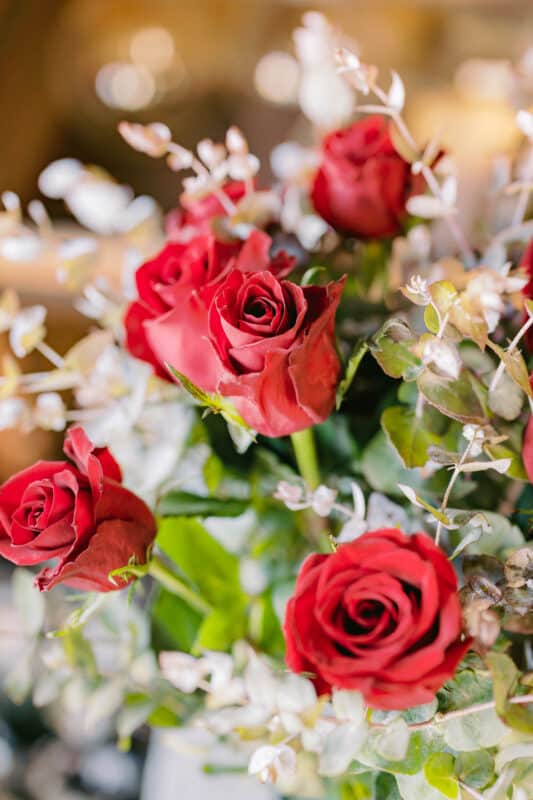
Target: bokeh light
<point x="276" y="78"/>
<point x="153" y="48"/>
<point x="123" y="85"/>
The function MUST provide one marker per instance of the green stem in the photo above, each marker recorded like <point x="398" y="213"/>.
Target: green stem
<point x="159" y="570"/>
<point x="303" y="443"/>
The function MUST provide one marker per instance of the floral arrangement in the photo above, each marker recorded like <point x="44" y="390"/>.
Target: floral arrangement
<point x="301" y="436"/>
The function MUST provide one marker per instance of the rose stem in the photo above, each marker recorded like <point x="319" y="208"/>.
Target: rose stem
<point x="305" y="451"/>
<point x="158" y="570"/>
<point x="303" y="443"/>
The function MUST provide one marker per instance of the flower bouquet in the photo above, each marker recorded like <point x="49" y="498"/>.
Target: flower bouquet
<point x="299" y="433"/>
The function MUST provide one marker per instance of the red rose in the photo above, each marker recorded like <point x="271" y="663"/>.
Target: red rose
<point x="527" y="445"/>
<point x="168" y="323"/>
<point x="78" y="513"/>
<point x="527" y="265"/>
<point x="381" y="615"/>
<point x="362" y="184"/>
<point x="194" y="216"/>
<point x="175" y="279"/>
<point x="276" y="342"/>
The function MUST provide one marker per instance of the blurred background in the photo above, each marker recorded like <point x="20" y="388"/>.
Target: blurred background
<point x="70" y="70"/>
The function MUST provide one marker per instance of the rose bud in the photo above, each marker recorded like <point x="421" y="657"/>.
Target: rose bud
<point x="77" y="512"/>
<point x="168" y="322"/>
<point x="363" y="184"/>
<point x="381" y="616"/>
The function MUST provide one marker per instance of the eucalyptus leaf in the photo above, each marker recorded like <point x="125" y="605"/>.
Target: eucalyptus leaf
<point x="439" y="771"/>
<point x="391" y="347"/>
<point x="465" y="689"/>
<point x="475" y="768"/>
<point x="413" y="498"/>
<point x="474" y="731"/>
<point x="505" y="676"/>
<point x="506" y="399"/>
<point x="409" y="434"/>
<point x="392" y="742"/>
<point x="515" y="367"/>
<point x="416" y="787"/>
<point x="422" y="743"/>
<point x="516" y="468"/>
<point x="459" y="399"/>
<point x="340" y="748"/>
<point x="386" y="787"/>
<point x="383" y="469"/>
<point x="422" y="713"/>
<point x="503" y="537"/>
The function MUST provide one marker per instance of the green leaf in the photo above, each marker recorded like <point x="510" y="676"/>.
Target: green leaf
<point x="474" y="731"/>
<point x="310" y="275"/>
<point x="416" y="500"/>
<point x="185" y="504"/>
<point x="221" y="628"/>
<point x="421" y="744"/>
<point x="264" y="626"/>
<point x="131" y="716"/>
<point x="439" y="771"/>
<point x="459" y="399"/>
<point x="352" y="366"/>
<point x="467" y="688"/>
<point x="391" y="347"/>
<point x="516" y="470"/>
<point x="444" y="295"/>
<point x="386" y="787"/>
<point x="506" y="399"/>
<point x="213" y="402"/>
<point x="175" y="624"/>
<point x="515" y="367"/>
<point x="422" y="713"/>
<point x="416" y="787"/>
<point x="360" y="787"/>
<point x="213" y="472"/>
<point x="163" y="717"/>
<point x="211" y="569"/>
<point x="409" y="435"/>
<point x="431" y="319"/>
<point x="383" y="468"/>
<point x="475" y="768"/>
<point x="79" y="652"/>
<point x="503" y="537"/>
<point x="505" y="676"/>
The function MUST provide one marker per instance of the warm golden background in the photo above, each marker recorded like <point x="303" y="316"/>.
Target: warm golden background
<point x="65" y="66"/>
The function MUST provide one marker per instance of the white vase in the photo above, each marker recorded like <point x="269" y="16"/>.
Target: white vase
<point x="175" y="771"/>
